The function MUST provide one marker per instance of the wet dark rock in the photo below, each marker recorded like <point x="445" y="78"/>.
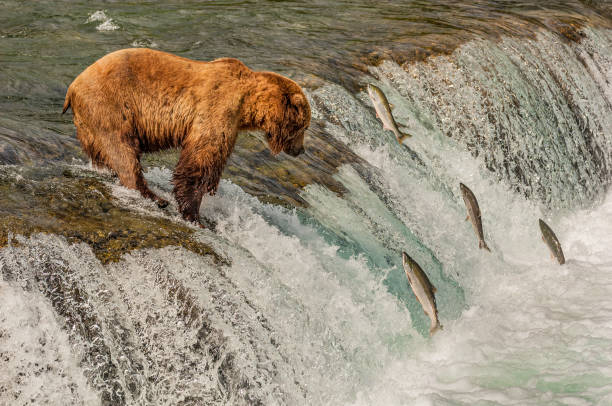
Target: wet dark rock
<point x="570" y="31"/>
<point x="8" y="155"/>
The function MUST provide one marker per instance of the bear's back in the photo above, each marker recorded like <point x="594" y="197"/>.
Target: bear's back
<point x="150" y="69"/>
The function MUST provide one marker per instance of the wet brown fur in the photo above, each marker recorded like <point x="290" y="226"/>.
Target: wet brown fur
<point x="140" y="100"/>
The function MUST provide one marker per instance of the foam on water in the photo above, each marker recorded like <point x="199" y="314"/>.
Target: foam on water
<point x="340" y="319"/>
<point x="37" y="360"/>
<point x="535" y="111"/>
<point x="144" y="43"/>
<point x="534" y="333"/>
<point x="107" y="23"/>
<point x="161" y="327"/>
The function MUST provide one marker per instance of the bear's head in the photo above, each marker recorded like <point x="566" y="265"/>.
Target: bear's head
<point x="282" y="112"/>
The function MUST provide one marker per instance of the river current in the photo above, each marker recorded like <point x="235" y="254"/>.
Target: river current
<point x="296" y="294"/>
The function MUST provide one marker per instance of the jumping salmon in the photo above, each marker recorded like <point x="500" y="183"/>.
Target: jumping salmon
<point x="423" y="290"/>
<point x="549" y="237"/>
<point x="383" y="112"/>
<point x="474" y="214"/>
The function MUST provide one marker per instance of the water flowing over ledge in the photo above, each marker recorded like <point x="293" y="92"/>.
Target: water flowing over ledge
<point x="536" y="112"/>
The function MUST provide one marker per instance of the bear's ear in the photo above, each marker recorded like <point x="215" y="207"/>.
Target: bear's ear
<point x="293" y="100"/>
<point x="294" y="106"/>
<point x="297" y="99"/>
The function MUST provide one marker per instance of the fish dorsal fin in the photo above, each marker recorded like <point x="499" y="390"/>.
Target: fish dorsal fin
<point x="433" y="289"/>
<point x="403" y="136"/>
<point x="391" y="106"/>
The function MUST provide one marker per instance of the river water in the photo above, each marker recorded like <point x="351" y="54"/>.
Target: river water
<point x="295" y="294"/>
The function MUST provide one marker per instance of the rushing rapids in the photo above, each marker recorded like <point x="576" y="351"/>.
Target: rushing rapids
<point x="296" y="293"/>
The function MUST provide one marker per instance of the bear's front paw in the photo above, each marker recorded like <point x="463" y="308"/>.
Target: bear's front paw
<point x="193" y="218"/>
<point x="161" y="203"/>
<point x="207" y="223"/>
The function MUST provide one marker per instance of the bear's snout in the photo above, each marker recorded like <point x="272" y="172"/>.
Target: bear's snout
<point x="297" y="152"/>
<point x="296" y="147"/>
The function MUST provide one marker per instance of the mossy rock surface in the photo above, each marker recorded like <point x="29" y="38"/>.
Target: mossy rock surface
<point x="78" y="205"/>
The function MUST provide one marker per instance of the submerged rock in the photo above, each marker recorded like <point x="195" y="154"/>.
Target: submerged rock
<point x="8" y="154"/>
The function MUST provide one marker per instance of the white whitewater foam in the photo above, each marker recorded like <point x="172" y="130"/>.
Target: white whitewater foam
<point x="107" y="23"/>
<point x="37" y="363"/>
<point x="535" y="333"/>
<point x="536" y="111"/>
<point x="144" y="43"/>
<point x="97" y="16"/>
<point x="333" y="312"/>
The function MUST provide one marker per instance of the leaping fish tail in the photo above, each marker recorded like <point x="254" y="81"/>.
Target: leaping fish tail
<point x="483" y="244"/>
<point x="435" y="328"/>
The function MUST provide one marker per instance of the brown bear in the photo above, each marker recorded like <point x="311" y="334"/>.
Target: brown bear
<point x="141" y="100"/>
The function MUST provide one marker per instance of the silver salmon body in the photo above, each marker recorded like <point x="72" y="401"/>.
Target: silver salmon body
<point x="383" y="112"/>
<point x="423" y="290"/>
<point x="549" y="237"/>
<point x="473" y="214"/>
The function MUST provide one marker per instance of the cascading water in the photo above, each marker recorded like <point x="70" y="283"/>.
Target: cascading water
<point x="308" y="303"/>
<point x="537" y="112"/>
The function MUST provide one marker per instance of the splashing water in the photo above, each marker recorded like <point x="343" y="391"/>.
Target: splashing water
<point x="107" y="23"/>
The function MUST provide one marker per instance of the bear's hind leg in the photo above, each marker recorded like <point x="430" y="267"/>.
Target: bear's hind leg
<point x="141" y="186"/>
<point x="87" y="140"/>
<point x="99" y="164"/>
<point x="123" y="159"/>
